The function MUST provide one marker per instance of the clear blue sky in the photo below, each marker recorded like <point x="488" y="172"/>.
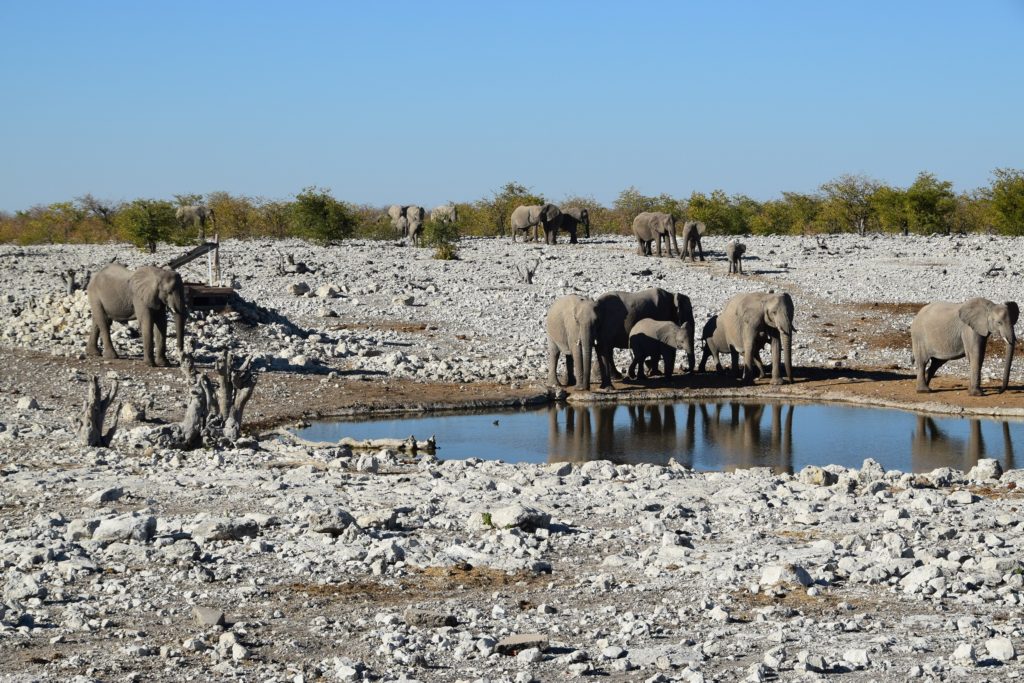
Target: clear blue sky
<point x="427" y="101"/>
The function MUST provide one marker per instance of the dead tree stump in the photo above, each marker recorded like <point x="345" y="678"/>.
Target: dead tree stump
<point x="214" y="412"/>
<point x="90" y="424"/>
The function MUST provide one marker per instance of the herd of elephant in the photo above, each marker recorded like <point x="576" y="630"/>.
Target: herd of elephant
<point x="654" y="324"/>
<point x="408" y="219"/>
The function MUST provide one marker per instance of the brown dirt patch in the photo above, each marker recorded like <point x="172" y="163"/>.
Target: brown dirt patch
<point x="875" y="307"/>
<point x="422" y="583"/>
<point x="824" y="603"/>
<point x="385" y="326"/>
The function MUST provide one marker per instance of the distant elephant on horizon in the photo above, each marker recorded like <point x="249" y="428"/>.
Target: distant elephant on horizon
<point x="415" y="215"/>
<point x="655" y="225"/>
<point x="570" y="220"/>
<point x="446" y="213"/>
<point x="398" y="218"/>
<point x="692" y="232"/>
<point x="195" y="214"/>
<point x="943" y="331"/>
<point x="531" y="216"/>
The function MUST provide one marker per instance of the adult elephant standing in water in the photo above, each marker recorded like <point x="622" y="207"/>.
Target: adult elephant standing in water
<point x="617" y="312"/>
<point x="943" y="331"/>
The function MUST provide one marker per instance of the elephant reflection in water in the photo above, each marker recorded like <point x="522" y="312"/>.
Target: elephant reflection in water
<point x="589" y="433"/>
<point x="740" y="441"/>
<point x="931" y="448"/>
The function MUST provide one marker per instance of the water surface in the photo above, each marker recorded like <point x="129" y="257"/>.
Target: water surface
<point x="704" y="436"/>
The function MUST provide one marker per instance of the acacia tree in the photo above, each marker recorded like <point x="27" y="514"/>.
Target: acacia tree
<point x="847" y="204"/>
<point x="144" y="222"/>
<point x="802" y="210"/>
<point x="889" y="209"/>
<point x="930" y="204"/>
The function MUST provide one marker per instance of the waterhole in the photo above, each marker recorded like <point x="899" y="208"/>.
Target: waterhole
<point x="704" y="436"/>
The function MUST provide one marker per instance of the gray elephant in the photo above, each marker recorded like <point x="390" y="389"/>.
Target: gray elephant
<point x="655" y="225"/>
<point x="446" y="213"/>
<point x="656" y="340"/>
<point x="734" y="251"/>
<point x="618" y="312"/>
<point x="194" y="215"/>
<point x="534" y="216"/>
<point x="570" y="220"/>
<point x="713" y="343"/>
<point x="399" y="221"/>
<point x="745" y="318"/>
<point x="146" y="295"/>
<point x="571" y="325"/>
<point x="943" y="331"/>
<point x="692" y="232"/>
<point x="415" y="215"/>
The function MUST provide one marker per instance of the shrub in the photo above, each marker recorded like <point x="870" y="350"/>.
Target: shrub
<point x="144" y="222"/>
<point x="320" y="217"/>
<point x="444" y="237"/>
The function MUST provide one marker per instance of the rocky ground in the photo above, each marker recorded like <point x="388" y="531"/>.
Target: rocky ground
<point x="279" y="560"/>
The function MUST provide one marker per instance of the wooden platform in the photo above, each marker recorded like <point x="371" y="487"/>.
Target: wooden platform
<point x="206" y="298"/>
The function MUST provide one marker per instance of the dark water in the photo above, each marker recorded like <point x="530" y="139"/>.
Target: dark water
<point x="705" y="436"/>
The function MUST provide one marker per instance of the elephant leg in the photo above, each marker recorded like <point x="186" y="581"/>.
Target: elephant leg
<point x="145" y="319"/>
<point x="974" y="384"/>
<point x="570" y="368"/>
<point x="659" y="245"/>
<point x="553" y="355"/>
<point x="739" y="266"/>
<point x="91" y="347"/>
<point x="640" y="246"/>
<point x="108" y="346"/>
<point x="933" y="367"/>
<point x="639" y="360"/>
<point x="160" y="339"/>
<point x="603" y="365"/>
<point x="700" y="248"/>
<point x="703" y="359"/>
<point x="670" y="362"/>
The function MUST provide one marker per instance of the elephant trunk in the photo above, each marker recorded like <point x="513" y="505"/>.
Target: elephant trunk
<point x="179" y="331"/>
<point x="688" y="345"/>
<point x="787" y="342"/>
<point x="1011" y="341"/>
<point x="583" y="372"/>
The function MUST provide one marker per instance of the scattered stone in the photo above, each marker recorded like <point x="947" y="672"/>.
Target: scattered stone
<point x="510" y="645"/>
<point x="522" y="516"/>
<point x="785" y="574"/>
<point x="1000" y="648"/>
<point x="208" y="616"/>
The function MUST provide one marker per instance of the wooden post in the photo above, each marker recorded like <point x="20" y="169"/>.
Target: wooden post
<point x="90" y="424"/>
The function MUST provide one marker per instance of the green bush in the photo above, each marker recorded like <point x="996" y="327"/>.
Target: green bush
<point x="444" y="237"/>
<point x="320" y="217"/>
<point x="145" y="222"/>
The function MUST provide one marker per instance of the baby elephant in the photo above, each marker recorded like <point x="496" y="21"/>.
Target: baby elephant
<point x="713" y="343"/>
<point x="657" y="340"/>
<point x="734" y="252"/>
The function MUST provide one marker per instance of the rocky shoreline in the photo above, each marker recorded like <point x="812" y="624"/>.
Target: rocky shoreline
<point x="284" y="561"/>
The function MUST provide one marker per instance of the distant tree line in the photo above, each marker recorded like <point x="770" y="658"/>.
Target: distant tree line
<point x="849" y="203"/>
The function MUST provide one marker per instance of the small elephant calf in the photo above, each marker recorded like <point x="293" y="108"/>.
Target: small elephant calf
<point x="734" y="252"/>
<point x="656" y="340"/>
<point x="713" y="343"/>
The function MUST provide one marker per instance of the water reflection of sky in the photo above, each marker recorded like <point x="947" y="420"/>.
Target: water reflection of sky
<point x="705" y="436"/>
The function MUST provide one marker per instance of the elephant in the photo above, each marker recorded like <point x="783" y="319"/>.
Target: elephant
<point x="415" y="216"/>
<point x="748" y="316"/>
<point x="656" y="340"/>
<point x="944" y="331"/>
<point x="713" y="343"/>
<point x="397" y="213"/>
<point x="651" y="225"/>
<point x="692" y="232"/>
<point x="617" y="312"/>
<point x="146" y="295"/>
<point x="446" y="213"/>
<point x="526" y="217"/>
<point x="734" y="251"/>
<point x="195" y="214"/>
<point x="572" y="330"/>
<point x="570" y="220"/>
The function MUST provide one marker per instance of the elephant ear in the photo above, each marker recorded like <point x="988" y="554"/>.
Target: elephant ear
<point x="974" y="314"/>
<point x="145" y="287"/>
<point x="684" y="309"/>
<point x="701" y="228"/>
<point x="1014" y="311"/>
